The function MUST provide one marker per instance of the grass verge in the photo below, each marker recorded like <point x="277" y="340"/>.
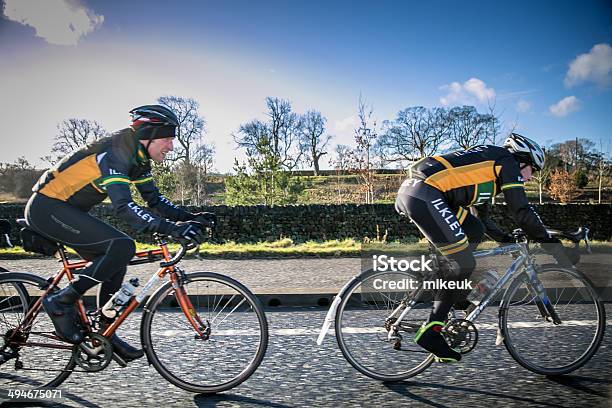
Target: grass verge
<point x="287" y="248"/>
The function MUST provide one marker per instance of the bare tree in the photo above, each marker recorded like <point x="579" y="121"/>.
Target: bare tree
<point x="191" y="126"/>
<point x="203" y="163"/>
<point x="416" y="132"/>
<point x="341" y="161"/>
<point x="72" y="135"/>
<point x="313" y="142"/>
<point x="494" y="134"/>
<point x="361" y="156"/>
<point x="574" y="153"/>
<point x="278" y="137"/>
<point x="469" y="128"/>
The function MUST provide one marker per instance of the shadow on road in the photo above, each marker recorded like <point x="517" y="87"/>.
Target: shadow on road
<point x="212" y="401"/>
<point x="406" y="389"/>
<point x="581" y="383"/>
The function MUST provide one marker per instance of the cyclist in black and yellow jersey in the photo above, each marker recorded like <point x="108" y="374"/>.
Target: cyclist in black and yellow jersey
<point x="437" y="198"/>
<point x="59" y="207"/>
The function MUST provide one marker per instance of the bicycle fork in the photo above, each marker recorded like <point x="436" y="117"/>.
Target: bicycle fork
<point x="202" y="329"/>
<point x="535" y="287"/>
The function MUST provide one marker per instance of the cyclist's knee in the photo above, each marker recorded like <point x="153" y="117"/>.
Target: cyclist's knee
<point x="462" y="265"/>
<point x="123" y="250"/>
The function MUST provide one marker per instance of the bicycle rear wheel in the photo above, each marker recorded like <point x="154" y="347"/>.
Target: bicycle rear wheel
<point x="30" y="354"/>
<point x="363" y="321"/>
<point x="238" y="333"/>
<point x="537" y="343"/>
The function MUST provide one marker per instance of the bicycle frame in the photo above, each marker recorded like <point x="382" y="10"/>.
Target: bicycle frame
<point x="166" y="267"/>
<point x="522" y="262"/>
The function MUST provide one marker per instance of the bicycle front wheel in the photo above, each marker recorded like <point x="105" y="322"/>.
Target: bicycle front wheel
<point x="536" y="342"/>
<point x="232" y="317"/>
<point x="368" y="308"/>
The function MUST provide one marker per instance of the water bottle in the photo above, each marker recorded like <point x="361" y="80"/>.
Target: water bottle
<point x="482" y="289"/>
<point x="120" y="299"/>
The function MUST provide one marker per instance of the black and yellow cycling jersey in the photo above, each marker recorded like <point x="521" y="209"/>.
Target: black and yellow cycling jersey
<point x="108" y="167"/>
<point x="452" y="182"/>
<point x="470" y="177"/>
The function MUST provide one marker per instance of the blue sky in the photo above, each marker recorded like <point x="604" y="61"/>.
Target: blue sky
<point x="546" y="65"/>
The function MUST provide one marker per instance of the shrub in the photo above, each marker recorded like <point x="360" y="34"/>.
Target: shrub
<point x="562" y="186"/>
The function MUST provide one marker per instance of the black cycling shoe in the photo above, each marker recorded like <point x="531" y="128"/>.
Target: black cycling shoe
<point x="61" y="308"/>
<point x="124" y="350"/>
<point x="430" y="338"/>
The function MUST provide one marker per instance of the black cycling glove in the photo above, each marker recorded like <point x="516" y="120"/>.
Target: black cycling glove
<point x="207" y="219"/>
<point x="189" y="230"/>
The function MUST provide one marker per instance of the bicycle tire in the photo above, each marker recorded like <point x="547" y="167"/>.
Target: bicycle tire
<point x="378" y="351"/>
<point x="20" y="288"/>
<point x="32" y="357"/>
<point x="574" y="318"/>
<point x="159" y="343"/>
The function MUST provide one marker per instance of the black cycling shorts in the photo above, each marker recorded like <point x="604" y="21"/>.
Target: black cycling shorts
<point x="451" y="230"/>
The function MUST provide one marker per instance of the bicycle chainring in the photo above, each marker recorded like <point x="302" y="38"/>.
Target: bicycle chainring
<point x="94" y="353"/>
<point x="461" y="334"/>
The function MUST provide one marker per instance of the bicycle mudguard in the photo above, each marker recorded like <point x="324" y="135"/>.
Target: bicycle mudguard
<point x="331" y="313"/>
<point x="25" y="276"/>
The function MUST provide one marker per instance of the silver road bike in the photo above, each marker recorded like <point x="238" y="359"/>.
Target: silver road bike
<point x="551" y="319"/>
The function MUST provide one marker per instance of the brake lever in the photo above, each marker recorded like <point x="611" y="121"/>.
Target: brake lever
<point x="8" y="241"/>
<point x="587" y="241"/>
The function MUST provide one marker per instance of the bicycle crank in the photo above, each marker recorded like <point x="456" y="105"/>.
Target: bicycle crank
<point x="94" y="353"/>
<point x="461" y="334"/>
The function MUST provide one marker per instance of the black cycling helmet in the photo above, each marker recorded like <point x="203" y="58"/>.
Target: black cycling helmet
<point x="525" y="150"/>
<point x="154" y="122"/>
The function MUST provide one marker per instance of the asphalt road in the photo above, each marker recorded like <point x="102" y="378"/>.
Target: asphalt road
<point x="298" y="373"/>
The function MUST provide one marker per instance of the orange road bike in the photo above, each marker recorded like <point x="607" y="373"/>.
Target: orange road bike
<point x="202" y="331"/>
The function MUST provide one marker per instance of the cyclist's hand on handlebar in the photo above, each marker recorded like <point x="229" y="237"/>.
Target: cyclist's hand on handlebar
<point x="207" y="219"/>
<point x="189" y="230"/>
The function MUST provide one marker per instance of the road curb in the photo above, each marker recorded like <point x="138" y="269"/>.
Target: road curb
<point x="273" y="300"/>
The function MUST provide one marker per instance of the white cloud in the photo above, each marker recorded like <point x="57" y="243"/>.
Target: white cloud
<point x="60" y="22"/>
<point x="471" y="91"/>
<point x="594" y="66"/>
<point x="523" y="105"/>
<point x="565" y="106"/>
<point x="346" y="124"/>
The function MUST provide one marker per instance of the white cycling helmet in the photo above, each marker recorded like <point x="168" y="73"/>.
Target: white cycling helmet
<point x="525" y="150"/>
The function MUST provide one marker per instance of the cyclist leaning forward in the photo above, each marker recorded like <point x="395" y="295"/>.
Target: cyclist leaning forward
<point x="59" y="207"/>
<point x="436" y="196"/>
